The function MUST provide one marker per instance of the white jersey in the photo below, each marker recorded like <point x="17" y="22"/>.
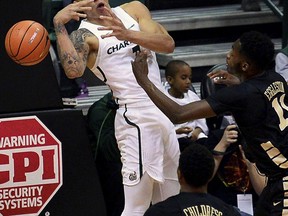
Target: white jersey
<point x="145" y="136"/>
<point x="115" y="56"/>
<point x="189" y="97"/>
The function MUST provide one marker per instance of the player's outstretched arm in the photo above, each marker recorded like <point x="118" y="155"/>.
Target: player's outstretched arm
<point x="72" y="51"/>
<point x="152" y="35"/>
<point x="175" y="112"/>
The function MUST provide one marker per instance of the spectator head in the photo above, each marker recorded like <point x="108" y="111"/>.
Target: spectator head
<point x="173" y="67"/>
<point x="196" y="165"/>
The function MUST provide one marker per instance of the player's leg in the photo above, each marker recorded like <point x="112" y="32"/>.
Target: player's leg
<point x="170" y="186"/>
<point x="162" y="191"/>
<point x="262" y="208"/>
<point x="279" y="205"/>
<point x="137" y="187"/>
<point x="273" y="200"/>
<point x="138" y="196"/>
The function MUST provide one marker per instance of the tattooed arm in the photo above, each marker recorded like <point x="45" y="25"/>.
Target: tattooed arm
<point x="74" y="50"/>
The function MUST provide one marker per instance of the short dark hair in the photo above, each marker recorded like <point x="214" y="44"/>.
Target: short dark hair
<point x="258" y="48"/>
<point x="196" y="164"/>
<point x="173" y="66"/>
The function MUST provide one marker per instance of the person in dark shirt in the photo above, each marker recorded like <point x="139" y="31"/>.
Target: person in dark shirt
<point x="259" y="105"/>
<point x="196" y="168"/>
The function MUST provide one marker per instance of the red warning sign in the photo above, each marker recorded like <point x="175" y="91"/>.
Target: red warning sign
<point x="30" y="166"/>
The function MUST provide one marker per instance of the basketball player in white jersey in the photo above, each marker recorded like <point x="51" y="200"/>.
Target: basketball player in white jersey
<point x="106" y="42"/>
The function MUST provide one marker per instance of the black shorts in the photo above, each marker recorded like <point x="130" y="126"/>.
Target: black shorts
<point x="273" y="201"/>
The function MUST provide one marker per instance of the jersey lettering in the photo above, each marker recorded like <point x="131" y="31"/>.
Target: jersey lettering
<point x="118" y="47"/>
<point x="278" y="107"/>
<point x="274" y="89"/>
<point x="201" y="210"/>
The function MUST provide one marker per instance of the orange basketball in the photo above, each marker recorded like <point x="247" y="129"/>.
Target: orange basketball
<point x="27" y="42"/>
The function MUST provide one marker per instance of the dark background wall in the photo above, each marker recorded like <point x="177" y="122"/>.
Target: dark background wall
<point x="24" y="88"/>
<point x="168" y="4"/>
<point x="34" y="90"/>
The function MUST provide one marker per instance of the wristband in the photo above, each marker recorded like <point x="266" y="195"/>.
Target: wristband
<point x="218" y="153"/>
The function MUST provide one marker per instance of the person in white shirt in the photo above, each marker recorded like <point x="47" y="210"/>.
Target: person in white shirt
<point x="178" y="75"/>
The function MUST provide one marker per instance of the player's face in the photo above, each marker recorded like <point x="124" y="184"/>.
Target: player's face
<point x="182" y="80"/>
<point x="234" y="59"/>
<point x="99" y="7"/>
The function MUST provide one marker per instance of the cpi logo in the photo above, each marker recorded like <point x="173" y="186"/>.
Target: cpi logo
<point x="30" y="166"/>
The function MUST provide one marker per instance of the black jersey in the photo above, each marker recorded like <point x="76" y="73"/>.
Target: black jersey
<point x="194" y="204"/>
<point x="260" y="109"/>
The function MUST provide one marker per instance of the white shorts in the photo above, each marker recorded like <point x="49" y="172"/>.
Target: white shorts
<point x="147" y="142"/>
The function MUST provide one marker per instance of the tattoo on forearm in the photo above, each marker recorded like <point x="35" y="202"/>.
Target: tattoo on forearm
<point x="70" y="60"/>
<point x="60" y="28"/>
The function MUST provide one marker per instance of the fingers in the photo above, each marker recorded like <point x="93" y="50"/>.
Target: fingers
<point x="231" y="134"/>
<point x="219" y="74"/>
<point x="83" y="3"/>
<point x="81" y="6"/>
<point x="231" y="139"/>
<point x="220" y="80"/>
<point x="231" y="126"/>
<point x="81" y="15"/>
<point x="107" y="34"/>
<point x="187" y="129"/>
<point x="110" y="16"/>
<point x="110" y="13"/>
<point x="114" y="32"/>
<point x="80" y="10"/>
<point x="141" y="56"/>
<point x="115" y="26"/>
<point x="212" y="75"/>
<point x="140" y="62"/>
<point x="107" y="18"/>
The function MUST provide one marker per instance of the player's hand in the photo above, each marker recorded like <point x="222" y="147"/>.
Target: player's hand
<point x="115" y="25"/>
<point x="73" y="11"/>
<point x="223" y="77"/>
<point x="140" y="67"/>
<point x="184" y="130"/>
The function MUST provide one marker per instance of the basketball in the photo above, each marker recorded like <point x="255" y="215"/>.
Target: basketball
<point x="27" y="42"/>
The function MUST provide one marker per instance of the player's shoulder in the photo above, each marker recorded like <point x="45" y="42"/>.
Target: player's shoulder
<point x="135" y="8"/>
<point x="85" y="37"/>
<point x="83" y="32"/>
<point x="82" y="35"/>
<point x="133" y="4"/>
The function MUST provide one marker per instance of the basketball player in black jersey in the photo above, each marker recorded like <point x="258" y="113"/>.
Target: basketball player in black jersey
<point x="259" y="105"/>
